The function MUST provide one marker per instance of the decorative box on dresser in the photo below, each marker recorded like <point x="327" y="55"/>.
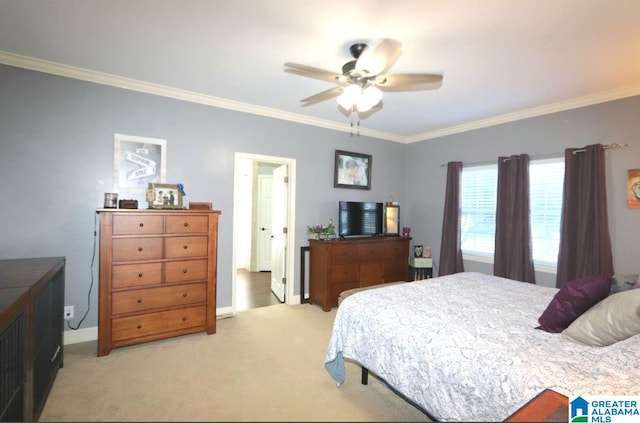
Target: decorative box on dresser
<point x="157" y="275"/>
<point x="339" y="265"/>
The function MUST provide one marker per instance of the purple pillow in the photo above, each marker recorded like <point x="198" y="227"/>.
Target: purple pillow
<point x="572" y="300"/>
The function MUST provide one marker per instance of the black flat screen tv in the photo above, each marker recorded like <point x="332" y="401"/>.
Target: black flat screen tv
<point x="356" y="218"/>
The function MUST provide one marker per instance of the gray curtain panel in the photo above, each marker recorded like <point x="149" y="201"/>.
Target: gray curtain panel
<point x="585" y="245"/>
<point x="513" y="258"/>
<point x="450" y="248"/>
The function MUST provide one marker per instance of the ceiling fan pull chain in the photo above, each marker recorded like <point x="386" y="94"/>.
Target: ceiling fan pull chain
<point x="351" y="116"/>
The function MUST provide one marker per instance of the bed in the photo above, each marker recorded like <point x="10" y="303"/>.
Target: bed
<point x="464" y="347"/>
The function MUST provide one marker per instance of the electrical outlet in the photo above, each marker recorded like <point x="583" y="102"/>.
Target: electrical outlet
<point x="68" y="312"/>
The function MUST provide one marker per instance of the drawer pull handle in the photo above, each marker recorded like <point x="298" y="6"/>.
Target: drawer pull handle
<point x="184" y="270"/>
<point x="186" y="224"/>
<point x="185" y="247"/>
<point x="184" y="318"/>
<point x="139" y="326"/>
<point x="139" y="248"/>
<point x="141" y="224"/>
<point x="139" y="300"/>
<point x="140" y="274"/>
<point x="184" y="295"/>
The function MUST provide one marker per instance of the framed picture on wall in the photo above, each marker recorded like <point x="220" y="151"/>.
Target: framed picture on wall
<point x="633" y="189"/>
<point x="138" y="161"/>
<point x="352" y="170"/>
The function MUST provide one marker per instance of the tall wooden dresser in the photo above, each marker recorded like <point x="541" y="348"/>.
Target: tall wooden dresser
<point x="340" y="265"/>
<point x="157" y="275"/>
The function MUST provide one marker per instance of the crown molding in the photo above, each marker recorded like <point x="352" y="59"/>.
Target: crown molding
<point x="102" y="78"/>
<point x="560" y="106"/>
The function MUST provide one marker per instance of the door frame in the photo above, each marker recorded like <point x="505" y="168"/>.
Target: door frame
<point x="289" y="270"/>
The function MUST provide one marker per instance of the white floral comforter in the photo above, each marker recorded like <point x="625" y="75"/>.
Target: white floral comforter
<point x="464" y="347"/>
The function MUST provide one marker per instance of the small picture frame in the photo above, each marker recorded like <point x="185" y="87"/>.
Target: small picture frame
<point x="352" y="170"/>
<point x="164" y="196"/>
<point x="418" y="250"/>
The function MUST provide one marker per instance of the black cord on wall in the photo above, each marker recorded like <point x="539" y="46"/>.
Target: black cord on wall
<point x="93" y="258"/>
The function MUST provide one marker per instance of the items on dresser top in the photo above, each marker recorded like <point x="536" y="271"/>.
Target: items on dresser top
<point x="157" y="275"/>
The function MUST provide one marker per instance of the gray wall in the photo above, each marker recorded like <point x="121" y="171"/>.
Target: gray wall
<point x="56" y="163"/>
<point x="612" y="122"/>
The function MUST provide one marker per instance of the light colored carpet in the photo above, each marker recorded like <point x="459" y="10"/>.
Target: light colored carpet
<point x="265" y="364"/>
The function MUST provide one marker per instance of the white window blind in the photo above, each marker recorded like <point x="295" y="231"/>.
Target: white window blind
<point x="478" y="209"/>
<point x="545" y="191"/>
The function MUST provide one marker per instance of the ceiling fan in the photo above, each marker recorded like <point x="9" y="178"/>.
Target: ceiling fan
<point x="363" y="79"/>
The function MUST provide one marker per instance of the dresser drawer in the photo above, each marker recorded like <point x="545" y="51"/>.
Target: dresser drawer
<point x="186" y="246"/>
<point x="130" y="275"/>
<point x="155" y="323"/>
<point x="187" y="270"/>
<point x="345" y="273"/>
<point x="130" y="249"/>
<point x="371" y="251"/>
<point x="344" y="253"/>
<point x="187" y="224"/>
<point x="139" y="300"/>
<point x="396" y="249"/>
<point x="395" y="270"/>
<point x="137" y="225"/>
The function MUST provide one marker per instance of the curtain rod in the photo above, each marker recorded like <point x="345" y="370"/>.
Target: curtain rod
<point x="544" y="156"/>
<point x="604" y="147"/>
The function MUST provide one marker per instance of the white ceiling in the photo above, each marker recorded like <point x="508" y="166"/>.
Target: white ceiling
<point x="501" y="59"/>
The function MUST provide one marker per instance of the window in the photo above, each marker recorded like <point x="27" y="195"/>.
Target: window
<point x="478" y="209"/>
<point x="545" y="195"/>
<point x="478" y="213"/>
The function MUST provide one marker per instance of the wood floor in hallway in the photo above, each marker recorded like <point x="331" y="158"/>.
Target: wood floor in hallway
<point x="253" y="290"/>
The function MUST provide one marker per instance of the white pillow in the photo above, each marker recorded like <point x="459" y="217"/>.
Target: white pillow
<point x="613" y="319"/>
<point x="622" y="282"/>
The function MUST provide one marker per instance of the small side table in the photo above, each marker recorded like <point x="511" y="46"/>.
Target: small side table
<point x="547" y="406"/>
<point x="420" y="268"/>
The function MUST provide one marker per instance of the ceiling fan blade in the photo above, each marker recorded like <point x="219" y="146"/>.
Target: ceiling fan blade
<point x="409" y="81"/>
<point x="379" y="59"/>
<point x="322" y="96"/>
<point x="311" y="72"/>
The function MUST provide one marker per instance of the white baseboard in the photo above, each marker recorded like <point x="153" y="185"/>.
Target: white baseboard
<point x="80" y="335"/>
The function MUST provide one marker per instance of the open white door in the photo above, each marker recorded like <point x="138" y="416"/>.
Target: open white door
<point x="265" y="210"/>
<point x="279" y="218"/>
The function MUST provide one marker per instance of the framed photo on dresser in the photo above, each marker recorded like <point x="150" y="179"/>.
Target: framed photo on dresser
<point x="164" y="196"/>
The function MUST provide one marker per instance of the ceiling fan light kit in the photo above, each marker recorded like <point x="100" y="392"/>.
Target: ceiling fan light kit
<point x="362" y="81"/>
<point x="362" y="98"/>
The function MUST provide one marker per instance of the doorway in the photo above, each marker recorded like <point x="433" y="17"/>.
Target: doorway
<point x="254" y="259"/>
